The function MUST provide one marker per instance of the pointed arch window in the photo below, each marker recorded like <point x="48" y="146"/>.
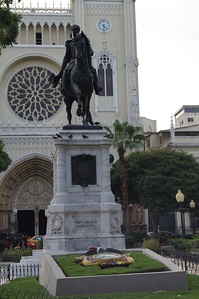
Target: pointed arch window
<point x="105" y="75"/>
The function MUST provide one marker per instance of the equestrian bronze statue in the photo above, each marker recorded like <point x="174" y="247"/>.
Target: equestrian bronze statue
<point x="79" y="77"/>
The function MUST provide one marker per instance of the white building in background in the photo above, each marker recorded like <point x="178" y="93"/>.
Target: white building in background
<point x="31" y="111"/>
<point x="187" y="115"/>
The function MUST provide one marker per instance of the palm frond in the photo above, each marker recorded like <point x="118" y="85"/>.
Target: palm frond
<point x="125" y="135"/>
<point x="109" y="131"/>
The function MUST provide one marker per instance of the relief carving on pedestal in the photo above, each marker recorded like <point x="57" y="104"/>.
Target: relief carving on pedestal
<point x="114" y="224"/>
<point x="56" y="224"/>
<point x="83" y="170"/>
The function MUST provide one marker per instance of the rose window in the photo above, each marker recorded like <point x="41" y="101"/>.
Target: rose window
<point x="31" y="96"/>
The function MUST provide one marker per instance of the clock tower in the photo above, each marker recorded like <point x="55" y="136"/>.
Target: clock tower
<point x="111" y="27"/>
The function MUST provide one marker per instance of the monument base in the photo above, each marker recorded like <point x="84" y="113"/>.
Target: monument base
<point x="83" y="211"/>
<point x="57" y="244"/>
<point x="75" y="227"/>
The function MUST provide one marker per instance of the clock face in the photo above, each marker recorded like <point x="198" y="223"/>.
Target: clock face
<point x="103" y="25"/>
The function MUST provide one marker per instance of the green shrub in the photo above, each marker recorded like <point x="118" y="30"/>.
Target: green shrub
<point x="2" y="246"/>
<point x="135" y="239"/>
<point x="195" y="242"/>
<point x="130" y="242"/>
<point x="182" y="244"/>
<point x="186" y="245"/>
<point x="14" y="255"/>
<point x="139" y="235"/>
<point x="152" y="244"/>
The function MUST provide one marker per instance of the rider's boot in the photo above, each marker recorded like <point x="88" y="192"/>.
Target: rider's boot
<point x="65" y="81"/>
<point x="97" y="89"/>
<point x="63" y="91"/>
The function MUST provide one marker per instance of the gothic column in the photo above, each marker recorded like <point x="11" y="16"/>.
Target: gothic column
<point x="50" y="34"/>
<point x="27" y="33"/>
<point x="57" y="28"/>
<point x="78" y="6"/>
<point x="36" y="214"/>
<point x="131" y="62"/>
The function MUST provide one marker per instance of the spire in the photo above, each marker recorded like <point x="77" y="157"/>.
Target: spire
<point x="172" y="131"/>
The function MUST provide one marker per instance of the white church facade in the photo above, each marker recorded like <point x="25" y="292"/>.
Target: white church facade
<point x="31" y="111"/>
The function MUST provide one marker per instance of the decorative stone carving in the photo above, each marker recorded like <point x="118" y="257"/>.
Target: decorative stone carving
<point x="35" y="192"/>
<point x="114" y="224"/>
<point x="131" y="63"/>
<point x="56" y="224"/>
<point x="105" y="9"/>
<point x="24" y="145"/>
<point x="46" y="19"/>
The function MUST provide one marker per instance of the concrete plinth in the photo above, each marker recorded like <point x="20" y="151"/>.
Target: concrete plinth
<point x="83" y="211"/>
<point x="57" y="284"/>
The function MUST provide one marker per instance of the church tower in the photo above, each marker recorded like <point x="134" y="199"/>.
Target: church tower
<point x="111" y="27"/>
<point x="31" y="111"/>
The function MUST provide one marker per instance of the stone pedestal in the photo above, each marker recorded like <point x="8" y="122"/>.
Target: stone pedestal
<point x="83" y="211"/>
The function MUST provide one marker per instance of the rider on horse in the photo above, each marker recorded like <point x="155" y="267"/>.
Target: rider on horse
<point x="69" y="61"/>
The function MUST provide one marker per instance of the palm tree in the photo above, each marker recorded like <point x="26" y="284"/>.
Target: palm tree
<point x="125" y="137"/>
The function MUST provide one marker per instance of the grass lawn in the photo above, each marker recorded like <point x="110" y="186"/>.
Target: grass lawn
<point x="71" y="266"/>
<point x="32" y="284"/>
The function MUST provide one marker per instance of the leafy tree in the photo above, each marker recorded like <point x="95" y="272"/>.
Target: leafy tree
<point x="4" y="158"/>
<point x="9" y="24"/>
<point x="125" y="137"/>
<point x="154" y="177"/>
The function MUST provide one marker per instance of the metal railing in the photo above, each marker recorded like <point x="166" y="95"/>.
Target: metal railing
<point x="189" y="262"/>
<point x="11" y="271"/>
<point x="4" y="277"/>
<point x="23" y="270"/>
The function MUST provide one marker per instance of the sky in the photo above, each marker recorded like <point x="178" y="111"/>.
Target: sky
<point x="168" y="54"/>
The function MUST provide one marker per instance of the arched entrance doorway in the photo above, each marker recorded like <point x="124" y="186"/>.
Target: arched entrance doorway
<point x="26" y="222"/>
<point x="26" y="190"/>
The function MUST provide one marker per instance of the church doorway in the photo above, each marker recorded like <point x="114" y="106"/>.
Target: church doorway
<point x="27" y="187"/>
<point x="26" y="222"/>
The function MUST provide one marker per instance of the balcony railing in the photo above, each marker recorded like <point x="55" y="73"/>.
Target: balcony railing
<point x="50" y="6"/>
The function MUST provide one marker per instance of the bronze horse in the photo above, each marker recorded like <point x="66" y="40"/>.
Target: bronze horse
<point x="80" y="86"/>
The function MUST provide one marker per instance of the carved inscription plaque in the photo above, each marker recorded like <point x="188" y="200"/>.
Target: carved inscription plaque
<point x="85" y="225"/>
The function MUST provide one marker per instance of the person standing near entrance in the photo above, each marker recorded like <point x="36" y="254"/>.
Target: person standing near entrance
<point x="16" y="243"/>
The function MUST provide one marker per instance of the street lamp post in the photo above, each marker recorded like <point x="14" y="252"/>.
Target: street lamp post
<point x="181" y="209"/>
<point x="192" y="206"/>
